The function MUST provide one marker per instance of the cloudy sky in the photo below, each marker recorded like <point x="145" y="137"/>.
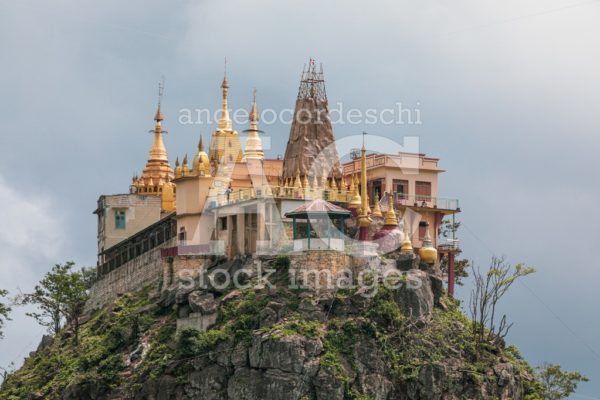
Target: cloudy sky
<point x="508" y="92"/>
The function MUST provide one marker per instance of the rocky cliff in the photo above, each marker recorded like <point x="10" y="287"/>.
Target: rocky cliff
<point x="276" y="342"/>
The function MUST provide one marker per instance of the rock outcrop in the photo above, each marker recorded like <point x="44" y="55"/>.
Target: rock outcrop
<point x="261" y="343"/>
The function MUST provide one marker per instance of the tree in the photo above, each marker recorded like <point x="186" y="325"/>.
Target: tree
<point x="4" y="312"/>
<point x="489" y="288"/>
<point x="60" y="295"/>
<point x="558" y="384"/>
<point x="446" y="229"/>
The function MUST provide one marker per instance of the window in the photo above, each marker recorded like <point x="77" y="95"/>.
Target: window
<point x="376" y="191"/>
<point x="223" y="223"/>
<point x="182" y="234"/>
<point x="119" y="219"/>
<point x="401" y="189"/>
<point x="422" y="229"/>
<point x="423" y="191"/>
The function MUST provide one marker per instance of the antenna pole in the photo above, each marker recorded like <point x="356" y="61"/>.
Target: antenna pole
<point x="161" y="89"/>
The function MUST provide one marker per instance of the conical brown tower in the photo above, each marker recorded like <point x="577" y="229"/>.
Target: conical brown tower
<point x="311" y="145"/>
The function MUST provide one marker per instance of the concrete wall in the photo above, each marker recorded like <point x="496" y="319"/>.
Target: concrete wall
<point x="192" y="193"/>
<point x="136" y="274"/>
<point x="140" y="212"/>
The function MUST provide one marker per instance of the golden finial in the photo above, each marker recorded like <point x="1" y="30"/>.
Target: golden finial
<point x="200" y="144"/>
<point x="315" y="182"/>
<point x="305" y="182"/>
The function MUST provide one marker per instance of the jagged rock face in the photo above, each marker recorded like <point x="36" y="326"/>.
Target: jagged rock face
<point x="311" y="147"/>
<point x="415" y="298"/>
<point x="306" y="345"/>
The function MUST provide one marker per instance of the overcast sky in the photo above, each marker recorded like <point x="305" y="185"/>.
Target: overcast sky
<point x="508" y="92"/>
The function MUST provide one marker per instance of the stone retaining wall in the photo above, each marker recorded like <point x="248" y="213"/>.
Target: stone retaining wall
<point x="147" y="269"/>
<point x="318" y="269"/>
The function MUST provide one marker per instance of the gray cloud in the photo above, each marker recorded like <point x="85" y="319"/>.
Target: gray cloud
<point x="508" y="90"/>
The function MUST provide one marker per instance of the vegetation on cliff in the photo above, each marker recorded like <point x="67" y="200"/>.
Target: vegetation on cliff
<point x="341" y="345"/>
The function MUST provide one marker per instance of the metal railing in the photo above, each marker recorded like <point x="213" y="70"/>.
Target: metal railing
<point x="426" y="201"/>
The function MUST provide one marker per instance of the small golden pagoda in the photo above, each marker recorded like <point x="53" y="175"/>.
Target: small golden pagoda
<point x="254" y="148"/>
<point x="157" y="174"/>
<point x="428" y="253"/>
<point x="201" y="162"/>
<point x="376" y="210"/>
<point x="407" y="243"/>
<point x="225" y="144"/>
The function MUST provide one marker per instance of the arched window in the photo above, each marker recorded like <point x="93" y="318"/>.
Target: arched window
<point x="182" y="234"/>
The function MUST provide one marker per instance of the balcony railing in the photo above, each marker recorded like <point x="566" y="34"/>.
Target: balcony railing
<point x="426" y="201"/>
<point x="333" y="195"/>
<point x="279" y="192"/>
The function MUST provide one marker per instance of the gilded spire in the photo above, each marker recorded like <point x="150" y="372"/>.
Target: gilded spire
<point x="158" y="150"/>
<point x="377" y="209"/>
<point x="177" y="168"/>
<point x="297" y="182"/>
<point x="201" y="163"/>
<point x="157" y="167"/>
<point x="390" y="216"/>
<point x="253" y="144"/>
<point x="363" y="180"/>
<point x="305" y="182"/>
<point x="185" y="168"/>
<point x="355" y="200"/>
<point x="224" y="123"/>
<point x="407" y="243"/>
<point x="363" y="220"/>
